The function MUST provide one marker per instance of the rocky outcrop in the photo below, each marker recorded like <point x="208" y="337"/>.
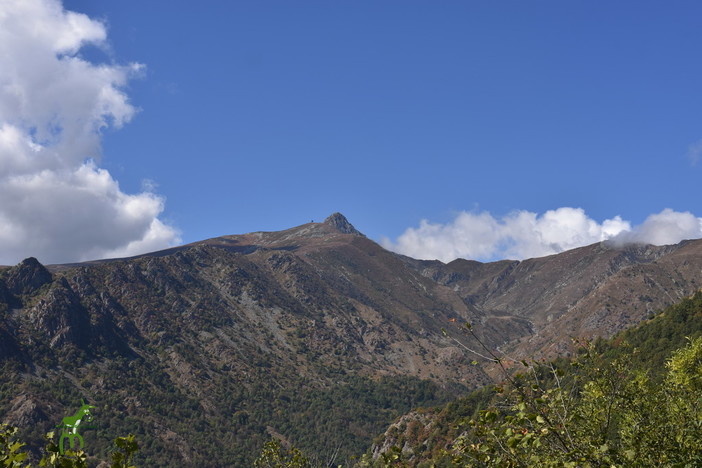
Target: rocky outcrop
<point x="59" y="318"/>
<point x="27" y="277"/>
<point x="25" y="412"/>
<point x="341" y="224"/>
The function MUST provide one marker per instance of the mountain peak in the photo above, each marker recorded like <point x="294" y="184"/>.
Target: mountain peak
<point x="27" y="276"/>
<point x="341" y="224"/>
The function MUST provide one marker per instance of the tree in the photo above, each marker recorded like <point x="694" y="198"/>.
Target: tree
<point x="10" y="454"/>
<point x="122" y="457"/>
<point x="273" y="455"/>
<point x="601" y="413"/>
<point x="12" y="457"/>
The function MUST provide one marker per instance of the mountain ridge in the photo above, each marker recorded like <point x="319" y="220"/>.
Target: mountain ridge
<point x="243" y="328"/>
<point x="570" y="292"/>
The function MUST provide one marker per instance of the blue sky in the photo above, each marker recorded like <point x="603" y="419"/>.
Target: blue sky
<point x="433" y="126"/>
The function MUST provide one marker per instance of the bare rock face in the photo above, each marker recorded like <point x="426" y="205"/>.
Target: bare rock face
<point x="25" y="412"/>
<point x="404" y="433"/>
<point x="59" y="317"/>
<point x="339" y="221"/>
<point x="27" y="277"/>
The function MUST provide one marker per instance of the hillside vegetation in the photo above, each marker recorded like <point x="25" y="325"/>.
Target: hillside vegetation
<point x="613" y="405"/>
<point x="633" y="400"/>
<point x="651" y="343"/>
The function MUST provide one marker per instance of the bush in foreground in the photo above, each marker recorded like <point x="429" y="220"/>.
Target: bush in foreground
<point x="12" y="456"/>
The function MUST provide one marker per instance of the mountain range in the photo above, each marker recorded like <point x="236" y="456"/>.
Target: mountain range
<point x="314" y="335"/>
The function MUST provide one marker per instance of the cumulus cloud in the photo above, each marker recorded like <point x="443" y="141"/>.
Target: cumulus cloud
<point x="523" y="234"/>
<point x="56" y="203"/>
<point x="664" y="228"/>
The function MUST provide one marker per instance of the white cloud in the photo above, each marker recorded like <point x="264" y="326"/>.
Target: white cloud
<point x="55" y="202"/>
<point x="523" y="234"/>
<point x="664" y="228"/>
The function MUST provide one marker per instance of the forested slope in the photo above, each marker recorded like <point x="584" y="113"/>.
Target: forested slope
<point x="632" y="399"/>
